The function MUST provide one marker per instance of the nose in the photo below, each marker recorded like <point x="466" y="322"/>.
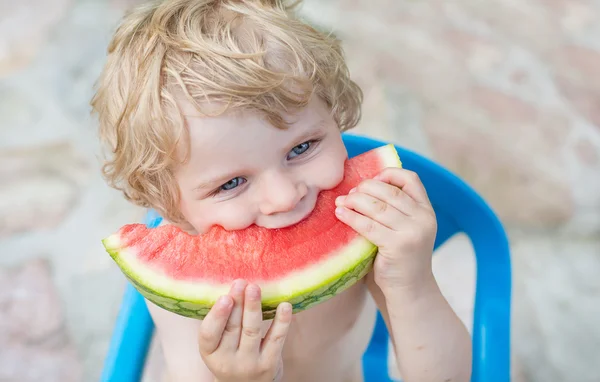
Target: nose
<point x="280" y="193"/>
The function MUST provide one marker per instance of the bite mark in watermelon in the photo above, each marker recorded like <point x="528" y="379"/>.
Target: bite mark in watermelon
<point x="304" y="264"/>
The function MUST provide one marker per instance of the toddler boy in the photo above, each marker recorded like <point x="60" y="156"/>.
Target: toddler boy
<point x="230" y="112"/>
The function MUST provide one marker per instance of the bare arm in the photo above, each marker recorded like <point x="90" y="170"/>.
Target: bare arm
<point x="431" y="342"/>
<point x="393" y="211"/>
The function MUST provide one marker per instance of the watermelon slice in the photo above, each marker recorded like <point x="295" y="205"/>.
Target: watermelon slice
<point x="304" y="264"/>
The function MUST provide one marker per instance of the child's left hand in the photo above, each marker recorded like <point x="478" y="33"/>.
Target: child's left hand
<point x="394" y="213"/>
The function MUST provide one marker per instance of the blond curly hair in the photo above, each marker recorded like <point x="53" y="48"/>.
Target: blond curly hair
<point x="243" y="54"/>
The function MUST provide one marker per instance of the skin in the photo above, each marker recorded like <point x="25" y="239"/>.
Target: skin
<point x="324" y="343"/>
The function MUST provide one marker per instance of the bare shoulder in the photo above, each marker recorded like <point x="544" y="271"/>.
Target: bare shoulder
<point x="178" y="336"/>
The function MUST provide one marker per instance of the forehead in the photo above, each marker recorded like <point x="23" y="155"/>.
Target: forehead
<point x="243" y="132"/>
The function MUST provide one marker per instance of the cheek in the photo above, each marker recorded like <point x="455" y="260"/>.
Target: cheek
<point x="187" y="206"/>
<point x="330" y="170"/>
<point x="235" y="214"/>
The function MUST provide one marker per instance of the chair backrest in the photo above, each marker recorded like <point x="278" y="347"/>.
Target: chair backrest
<point x="459" y="208"/>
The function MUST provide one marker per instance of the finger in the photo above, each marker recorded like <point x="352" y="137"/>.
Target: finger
<point x="279" y="373"/>
<point x="252" y="320"/>
<point x="211" y="329"/>
<point x="389" y="193"/>
<point x="372" y="207"/>
<point x="231" y="334"/>
<point x="272" y="345"/>
<point x="407" y="180"/>
<point x="367" y="227"/>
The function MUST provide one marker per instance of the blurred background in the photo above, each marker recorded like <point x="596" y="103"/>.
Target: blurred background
<point x="504" y="93"/>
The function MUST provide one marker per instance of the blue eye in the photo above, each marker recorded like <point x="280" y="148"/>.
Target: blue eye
<point x="233" y="183"/>
<point x="299" y="150"/>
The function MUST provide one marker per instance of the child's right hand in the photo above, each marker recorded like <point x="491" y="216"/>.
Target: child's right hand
<point x="230" y="338"/>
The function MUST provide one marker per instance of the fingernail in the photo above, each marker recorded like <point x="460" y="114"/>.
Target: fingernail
<point x="239" y="285"/>
<point x="253" y="291"/>
<point x="339" y="211"/>
<point x="224" y="301"/>
<point x="286" y="308"/>
<point x="352" y="190"/>
<point x="339" y="200"/>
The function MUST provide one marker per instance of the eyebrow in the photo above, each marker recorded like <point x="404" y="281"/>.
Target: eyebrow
<point x="313" y="131"/>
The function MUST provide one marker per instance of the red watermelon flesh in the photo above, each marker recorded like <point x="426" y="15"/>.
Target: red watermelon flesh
<point x="305" y="264"/>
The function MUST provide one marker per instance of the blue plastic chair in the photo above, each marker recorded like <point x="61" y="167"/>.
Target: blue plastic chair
<point x="458" y="208"/>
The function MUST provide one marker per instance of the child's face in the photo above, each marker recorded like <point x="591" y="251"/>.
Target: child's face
<point x="243" y="171"/>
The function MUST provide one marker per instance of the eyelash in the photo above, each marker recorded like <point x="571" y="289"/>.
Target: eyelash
<point x="311" y="143"/>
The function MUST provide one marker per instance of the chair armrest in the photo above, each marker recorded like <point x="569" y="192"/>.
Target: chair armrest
<point x="492" y="315"/>
<point x="130" y="342"/>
